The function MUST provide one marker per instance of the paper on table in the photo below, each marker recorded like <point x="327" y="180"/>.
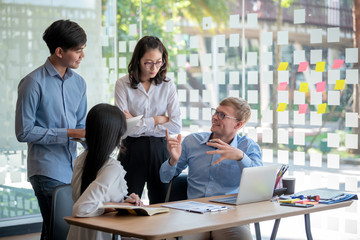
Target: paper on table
<point x="197" y="207"/>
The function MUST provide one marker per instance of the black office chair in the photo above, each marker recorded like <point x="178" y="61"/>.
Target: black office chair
<point x="62" y="204"/>
<point x="177" y="188"/>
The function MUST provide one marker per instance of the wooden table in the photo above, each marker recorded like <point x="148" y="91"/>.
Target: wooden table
<point x="177" y="223"/>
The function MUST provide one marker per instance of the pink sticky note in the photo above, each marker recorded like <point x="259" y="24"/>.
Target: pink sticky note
<point x="320" y="86"/>
<point x="303" y="66"/>
<point x="302" y="108"/>
<point x="282" y="86"/>
<point x="337" y="63"/>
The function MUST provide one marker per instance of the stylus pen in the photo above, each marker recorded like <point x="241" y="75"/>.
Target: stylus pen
<point x="128" y="197"/>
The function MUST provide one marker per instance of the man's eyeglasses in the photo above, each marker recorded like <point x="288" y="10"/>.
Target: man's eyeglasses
<point x="221" y="115"/>
<point x="158" y="64"/>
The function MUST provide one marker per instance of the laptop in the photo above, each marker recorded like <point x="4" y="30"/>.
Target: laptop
<point x="256" y="184"/>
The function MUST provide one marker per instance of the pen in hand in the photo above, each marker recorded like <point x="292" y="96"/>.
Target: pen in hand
<point x="135" y="202"/>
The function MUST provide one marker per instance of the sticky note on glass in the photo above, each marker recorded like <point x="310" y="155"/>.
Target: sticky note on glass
<point x="320" y="67"/>
<point x="281" y="107"/>
<point x="169" y="26"/>
<point x="282" y="86"/>
<point x="303" y="66"/>
<point x="234" y="40"/>
<point x="234" y="21"/>
<point x="194" y="42"/>
<point x="337" y="63"/>
<point x="321" y="108"/>
<point x="339" y="85"/>
<point x="132" y="29"/>
<point x="320" y="87"/>
<point x="206" y="23"/>
<point x="302" y="108"/>
<point x="299" y="16"/>
<point x="283" y="66"/>
<point x="304" y="87"/>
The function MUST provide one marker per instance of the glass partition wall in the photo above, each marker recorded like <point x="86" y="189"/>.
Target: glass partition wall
<point x="296" y="63"/>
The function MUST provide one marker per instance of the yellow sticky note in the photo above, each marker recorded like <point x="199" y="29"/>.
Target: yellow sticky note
<point x="283" y="66"/>
<point x="320" y="67"/>
<point x="321" y="108"/>
<point x="304" y="87"/>
<point x="281" y="107"/>
<point x="339" y="85"/>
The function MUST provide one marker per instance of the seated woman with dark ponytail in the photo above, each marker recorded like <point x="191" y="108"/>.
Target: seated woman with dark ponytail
<point x="98" y="176"/>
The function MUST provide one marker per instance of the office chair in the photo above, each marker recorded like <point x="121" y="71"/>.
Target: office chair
<point x="62" y="204"/>
<point x="177" y="189"/>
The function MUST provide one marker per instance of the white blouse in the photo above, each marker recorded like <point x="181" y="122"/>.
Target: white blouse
<point x="161" y="99"/>
<point x="109" y="186"/>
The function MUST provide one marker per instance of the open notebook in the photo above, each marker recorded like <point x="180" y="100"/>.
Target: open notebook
<point x="256" y="184"/>
<point x="136" y="210"/>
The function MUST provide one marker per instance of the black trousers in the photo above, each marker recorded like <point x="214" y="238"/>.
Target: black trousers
<point x="142" y="160"/>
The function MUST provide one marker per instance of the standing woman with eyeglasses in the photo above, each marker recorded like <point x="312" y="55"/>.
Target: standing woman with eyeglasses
<point x="148" y="92"/>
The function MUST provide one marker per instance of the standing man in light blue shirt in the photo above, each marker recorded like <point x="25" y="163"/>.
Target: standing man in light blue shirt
<point x="50" y="110"/>
<point x="215" y="160"/>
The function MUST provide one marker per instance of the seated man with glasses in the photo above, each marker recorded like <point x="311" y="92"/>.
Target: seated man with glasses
<point x="215" y="160"/>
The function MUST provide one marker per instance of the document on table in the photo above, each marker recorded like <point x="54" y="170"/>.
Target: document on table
<point x="197" y="207"/>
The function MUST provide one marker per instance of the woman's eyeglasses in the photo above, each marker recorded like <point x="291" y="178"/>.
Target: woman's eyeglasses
<point x="221" y="115"/>
<point x="158" y="64"/>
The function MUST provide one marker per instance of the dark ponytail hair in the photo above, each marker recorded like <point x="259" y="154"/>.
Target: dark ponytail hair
<point x="105" y="124"/>
<point x="145" y="44"/>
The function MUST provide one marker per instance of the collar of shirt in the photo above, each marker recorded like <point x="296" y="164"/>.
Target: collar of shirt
<point x="233" y="142"/>
<point x="53" y="72"/>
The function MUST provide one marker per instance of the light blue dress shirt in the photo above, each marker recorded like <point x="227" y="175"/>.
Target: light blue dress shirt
<point x="204" y="178"/>
<point x="47" y="106"/>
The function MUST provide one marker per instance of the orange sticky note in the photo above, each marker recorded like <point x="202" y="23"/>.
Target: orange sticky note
<point x="303" y="66"/>
<point x="320" y="67"/>
<point x="304" y="87"/>
<point x="281" y="107"/>
<point x="283" y="66"/>
<point x="320" y="86"/>
<point x="321" y="108"/>
<point x="337" y="63"/>
<point x="282" y="86"/>
<point x="339" y="85"/>
<point x="302" y="108"/>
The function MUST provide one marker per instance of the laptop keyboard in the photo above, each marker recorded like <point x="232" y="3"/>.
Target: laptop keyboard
<point x="227" y="199"/>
